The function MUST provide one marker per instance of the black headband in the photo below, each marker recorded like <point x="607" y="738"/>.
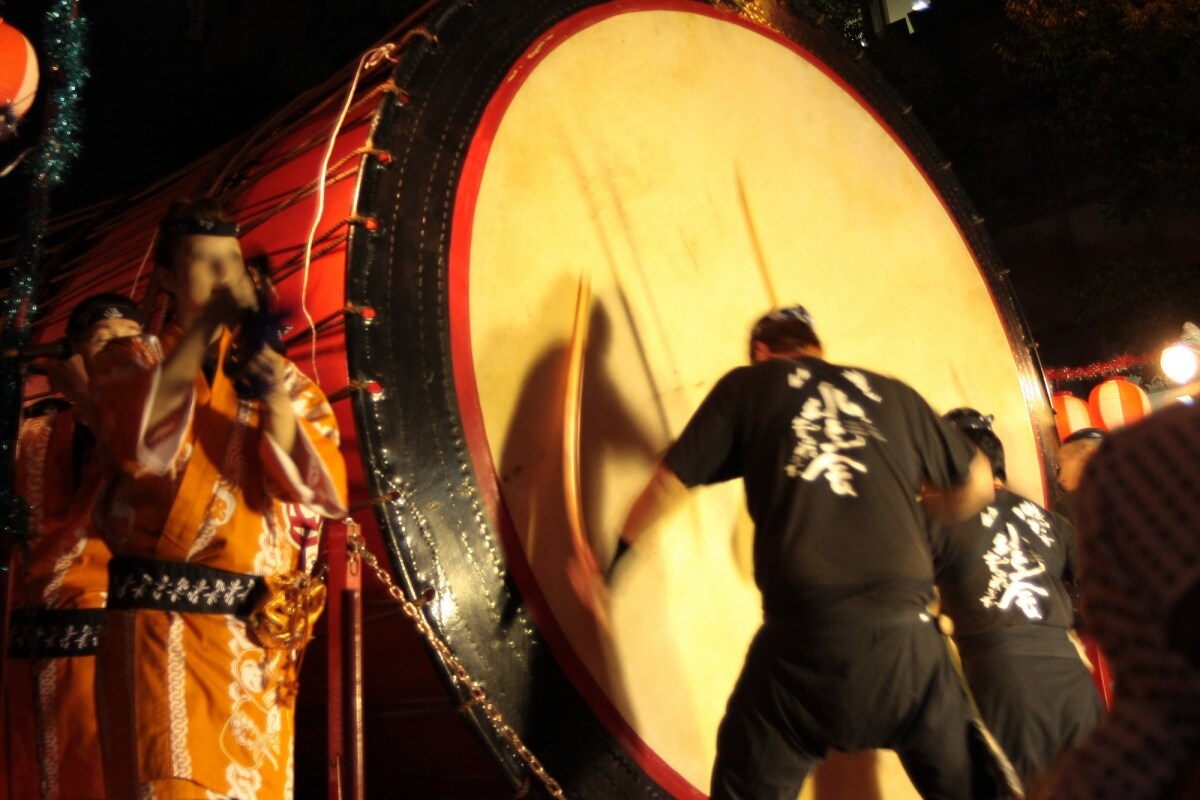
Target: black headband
<point x="200" y="227"/>
<point x="794" y="313"/>
<point x="99" y="308"/>
<point x="1092" y="434"/>
<point x="968" y="419"/>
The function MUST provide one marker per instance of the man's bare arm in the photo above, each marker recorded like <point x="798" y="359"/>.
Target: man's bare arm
<point x="664" y="492"/>
<point x="180" y="368"/>
<point x="954" y="504"/>
<point x="179" y="372"/>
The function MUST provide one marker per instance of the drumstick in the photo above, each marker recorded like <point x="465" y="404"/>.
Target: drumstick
<point x="583" y="571"/>
<point x="571" y="410"/>
<point x="756" y="242"/>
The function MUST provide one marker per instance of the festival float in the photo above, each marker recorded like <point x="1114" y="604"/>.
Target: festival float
<point x="517" y="243"/>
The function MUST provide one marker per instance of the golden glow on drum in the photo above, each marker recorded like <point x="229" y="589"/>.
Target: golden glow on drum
<point x="697" y="170"/>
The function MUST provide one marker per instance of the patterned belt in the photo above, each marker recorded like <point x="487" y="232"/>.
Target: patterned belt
<point x="180" y="586"/>
<point x="54" y="632"/>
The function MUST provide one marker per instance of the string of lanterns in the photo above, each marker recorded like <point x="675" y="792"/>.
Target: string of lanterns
<point x="1110" y="405"/>
<point x="1118" y="401"/>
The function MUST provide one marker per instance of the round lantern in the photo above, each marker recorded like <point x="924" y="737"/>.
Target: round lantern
<point x="18" y="77"/>
<point x="1117" y="402"/>
<point x="1070" y="414"/>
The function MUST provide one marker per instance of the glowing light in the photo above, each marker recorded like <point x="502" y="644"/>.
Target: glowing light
<point x="1179" y="363"/>
<point x="920" y="5"/>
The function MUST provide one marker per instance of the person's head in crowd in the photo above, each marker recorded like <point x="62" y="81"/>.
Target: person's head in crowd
<point x="198" y="257"/>
<point x="93" y="324"/>
<point x="783" y="333"/>
<point x="1074" y="454"/>
<point x="100" y="319"/>
<point x="978" y="428"/>
<point x="45" y="407"/>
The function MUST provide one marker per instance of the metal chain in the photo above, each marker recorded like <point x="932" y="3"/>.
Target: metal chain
<point x="477" y="695"/>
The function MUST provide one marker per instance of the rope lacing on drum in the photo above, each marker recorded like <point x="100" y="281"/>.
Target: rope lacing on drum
<point x="369" y="60"/>
<point x="421" y="31"/>
<point x="142" y="266"/>
<point x="334" y="320"/>
<point x="310" y="188"/>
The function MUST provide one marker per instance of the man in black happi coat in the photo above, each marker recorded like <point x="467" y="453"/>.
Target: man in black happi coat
<point x="833" y="459"/>
<point x="1001" y="576"/>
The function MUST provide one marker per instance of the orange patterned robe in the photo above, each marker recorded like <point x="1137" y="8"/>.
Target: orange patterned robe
<point x="53" y="750"/>
<point x="191" y="706"/>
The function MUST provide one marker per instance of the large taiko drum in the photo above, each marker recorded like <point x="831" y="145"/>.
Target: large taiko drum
<point x="692" y="165"/>
<point x="545" y="235"/>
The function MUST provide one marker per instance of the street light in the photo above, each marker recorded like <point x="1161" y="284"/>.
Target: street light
<point x="1181" y="361"/>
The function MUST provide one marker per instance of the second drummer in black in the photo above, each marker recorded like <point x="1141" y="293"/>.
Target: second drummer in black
<point x="1002" y="577"/>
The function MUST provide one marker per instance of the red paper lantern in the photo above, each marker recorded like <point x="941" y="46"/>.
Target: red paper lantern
<point x="1117" y="402"/>
<point x="18" y="76"/>
<point x="1070" y="414"/>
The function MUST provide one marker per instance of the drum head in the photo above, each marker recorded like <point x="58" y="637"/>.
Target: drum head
<point x="586" y="206"/>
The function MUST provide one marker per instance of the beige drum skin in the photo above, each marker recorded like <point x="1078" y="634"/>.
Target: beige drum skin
<point x="691" y="170"/>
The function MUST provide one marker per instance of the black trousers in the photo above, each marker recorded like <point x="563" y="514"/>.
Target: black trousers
<point x="850" y="683"/>
<point x="1034" y="693"/>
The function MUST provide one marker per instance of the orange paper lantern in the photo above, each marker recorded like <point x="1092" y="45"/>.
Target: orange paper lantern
<point x="1070" y="414"/>
<point x="18" y="74"/>
<point x="1117" y="402"/>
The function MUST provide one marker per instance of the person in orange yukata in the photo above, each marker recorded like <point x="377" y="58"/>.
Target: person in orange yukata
<point x="195" y="699"/>
<point x="60" y="576"/>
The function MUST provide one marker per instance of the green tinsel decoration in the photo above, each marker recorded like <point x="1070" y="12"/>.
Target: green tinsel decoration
<point x="66" y="37"/>
<point x="65" y="43"/>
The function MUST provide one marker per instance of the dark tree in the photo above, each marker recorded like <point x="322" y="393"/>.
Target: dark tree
<point x="1120" y="78"/>
<point x="1138" y="305"/>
